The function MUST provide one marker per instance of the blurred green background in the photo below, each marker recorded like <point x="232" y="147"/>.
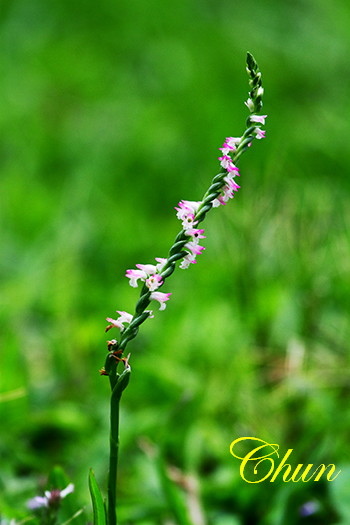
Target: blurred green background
<point x="111" y="113"/>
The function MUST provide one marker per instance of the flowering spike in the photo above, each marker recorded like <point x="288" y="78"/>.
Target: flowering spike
<point x="186" y="245"/>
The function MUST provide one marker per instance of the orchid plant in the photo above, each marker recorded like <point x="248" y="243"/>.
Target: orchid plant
<point x="152" y="277"/>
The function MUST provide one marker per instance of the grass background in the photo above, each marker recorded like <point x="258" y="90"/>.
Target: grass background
<point x="110" y="114"/>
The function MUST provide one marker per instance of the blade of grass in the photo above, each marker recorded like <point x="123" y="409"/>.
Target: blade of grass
<point x="97" y="501"/>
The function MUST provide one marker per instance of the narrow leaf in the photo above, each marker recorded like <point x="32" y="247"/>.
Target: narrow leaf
<point x="97" y="501"/>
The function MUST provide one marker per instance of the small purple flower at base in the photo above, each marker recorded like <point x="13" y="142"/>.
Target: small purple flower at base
<point x="161" y="298"/>
<point x="119" y="323"/>
<point x="51" y="499"/>
<point x="309" y="508"/>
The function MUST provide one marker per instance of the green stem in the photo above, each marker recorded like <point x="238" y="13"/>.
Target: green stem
<point x="113" y="464"/>
<point x="120" y="385"/>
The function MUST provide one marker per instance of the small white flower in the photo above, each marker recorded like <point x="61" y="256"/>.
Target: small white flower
<point x="250" y="104"/>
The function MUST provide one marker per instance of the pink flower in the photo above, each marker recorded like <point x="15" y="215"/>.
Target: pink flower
<point x="51" y="498"/>
<point x="154" y="281"/>
<point x="232" y="141"/>
<point x="258" y="118"/>
<point x="260" y="133"/>
<point x="230" y="145"/>
<point x="231" y="183"/>
<point x="224" y="198"/>
<point x="194" y="248"/>
<point x="225" y="161"/>
<point x="188" y="221"/>
<point x="146" y="271"/>
<point x="147" y="268"/>
<point x="187" y="260"/>
<point x="161" y="298"/>
<point x="134" y="275"/>
<point x="227" y="194"/>
<point x="161" y="263"/>
<point x="232" y="168"/>
<point x="227" y="191"/>
<point x="124" y="317"/>
<point x="150" y="269"/>
<point x="191" y="206"/>
<point x="196" y="234"/>
<point x="225" y="149"/>
<point x="186" y="213"/>
<point x="227" y="164"/>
